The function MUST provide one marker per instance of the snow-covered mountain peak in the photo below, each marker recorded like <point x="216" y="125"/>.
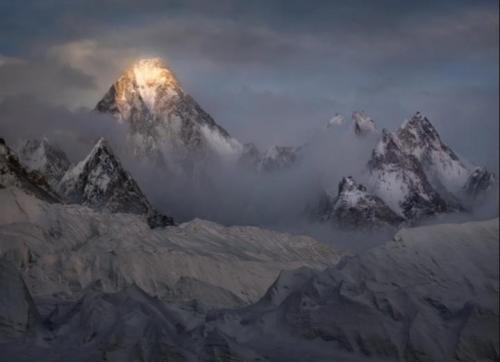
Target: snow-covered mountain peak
<point x="100" y="181"/>
<point x="166" y="125"/>
<point x="363" y="124"/>
<point x="418" y="135"/>
<point x="399" y="179"/>
<point x="419" y="138"/>
<point x="154" y="80"/>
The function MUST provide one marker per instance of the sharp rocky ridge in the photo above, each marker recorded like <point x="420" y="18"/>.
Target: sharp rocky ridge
<point x="166" y="125"/>
<point x="100" y="181"/>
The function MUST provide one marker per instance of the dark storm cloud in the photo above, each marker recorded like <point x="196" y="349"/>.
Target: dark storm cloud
<point x="273" y="71"/>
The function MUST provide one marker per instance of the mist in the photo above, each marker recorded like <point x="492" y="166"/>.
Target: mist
<point x="230" y="193"/>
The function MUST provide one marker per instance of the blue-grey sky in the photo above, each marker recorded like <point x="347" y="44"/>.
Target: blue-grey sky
<point x="273" y="71"/>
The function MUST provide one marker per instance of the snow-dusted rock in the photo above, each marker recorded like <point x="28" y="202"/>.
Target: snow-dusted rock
<point x="13" y="173"/>
<point x="398" y="178"/>
<point x="44" y="157"/>
<point x="443" y="167"/>
<point x="363" y="124"/>
<point x="354" y="207"/>
<point x="101" y="182"/>
<point x="479" y="181"/>
<point x="166" y="124"/>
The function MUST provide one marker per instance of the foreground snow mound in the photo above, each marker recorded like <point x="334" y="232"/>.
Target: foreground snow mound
<point x="166" y="125"/>
<point x="44" y="157"/>
<point x="354" y="207"/>
<point x="65" y="248"/>
<point x="101" y="182"/>
<point x="13" y="173"/>
<point x="430" y="295"/>
<point x="399" y="179"/>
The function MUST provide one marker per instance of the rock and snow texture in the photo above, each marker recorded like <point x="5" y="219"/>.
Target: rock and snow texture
<point x="419" y="138"/>
<point x="479" y="181"/>
<point x="44" y="157"/>
<point x="431" y="294"/>
<point x="64" y="249"/>
<point x="166" y="124"/>
<point x="354" y="207"/>
<point x="100" y="181"/>
<point x="398" y="178"/>
<point x="363" y="124"/>
<point x="13" y="173"/>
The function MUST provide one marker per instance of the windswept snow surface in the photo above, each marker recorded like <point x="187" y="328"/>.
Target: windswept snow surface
<point x="431" y="294"/>
<point x="64" y="249"/>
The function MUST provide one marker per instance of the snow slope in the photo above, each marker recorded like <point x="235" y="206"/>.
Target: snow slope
<point x="431" y="294"/>
<point x="63" y="249"/>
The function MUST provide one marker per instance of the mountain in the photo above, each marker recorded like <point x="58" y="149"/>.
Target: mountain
<point x="399" y="179"/>
<point x="404" y="300"/>
<point x="363" y="124"/>
<point x="64" y="249"/>
<point x="166" y="124"/>
<point x="101" y="182"/>
<point x="479" y="181"/>
<point x="13" y="173"/>
<point x="443" y="167"/>
<point x="354" y="207"/>
<point x="44" y="157"/>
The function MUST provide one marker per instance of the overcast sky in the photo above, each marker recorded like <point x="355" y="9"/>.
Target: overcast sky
<point x="272" y="71"/>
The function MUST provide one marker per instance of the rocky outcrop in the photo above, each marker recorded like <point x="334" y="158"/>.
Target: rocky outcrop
<point x="398" y="178"/>
<point x="354" y="207"/>
<point x="13" y="173"/>
<point x="44" y="157"/>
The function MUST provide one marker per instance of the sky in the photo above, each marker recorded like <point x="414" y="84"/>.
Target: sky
<point x="271" y="72"/>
